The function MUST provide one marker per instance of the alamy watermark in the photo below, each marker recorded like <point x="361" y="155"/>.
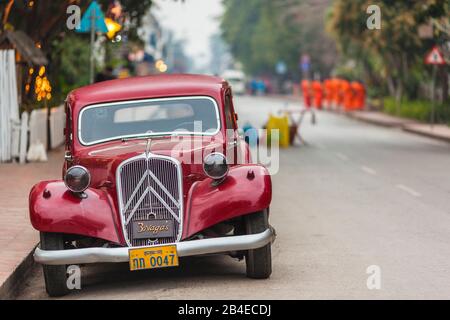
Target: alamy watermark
<point x="374" y="20"/>
<point x="74" y="17"/>
<point x="374" y="280"/>
<point x="73" y="277"/>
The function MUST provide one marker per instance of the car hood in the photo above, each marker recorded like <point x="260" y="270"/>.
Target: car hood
<point x="103" y="160"/>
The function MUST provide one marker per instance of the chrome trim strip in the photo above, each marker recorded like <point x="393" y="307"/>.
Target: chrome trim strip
<point x="184" y="249"/>
<point x="136" y="190"/>
<point x="163" y="188"/>
<point x="165" y="203"/>
<point x="119" y="191"/>
<point x="136" y="207"/>
<point x="149" y="135"/>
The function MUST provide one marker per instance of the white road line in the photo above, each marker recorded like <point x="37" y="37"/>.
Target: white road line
<point x="342" y="156"/>
<point x="409" y="190"/>
<point x="369" y="170"/>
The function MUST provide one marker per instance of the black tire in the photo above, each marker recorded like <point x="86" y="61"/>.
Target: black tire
<point x="258" y="261"/>
<point x="55" y="276"/>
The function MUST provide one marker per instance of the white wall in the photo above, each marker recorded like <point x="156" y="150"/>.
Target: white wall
<point x="57" y="124"/>
<point x="9" y="108"/>
<point x="38" y="126"/>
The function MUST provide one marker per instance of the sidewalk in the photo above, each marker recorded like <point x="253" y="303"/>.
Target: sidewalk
<point x="380" y="118"/>
<point x="17" y="236"/>
<point x="441" y="132"/>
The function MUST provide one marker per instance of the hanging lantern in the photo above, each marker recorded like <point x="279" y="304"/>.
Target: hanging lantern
<point x="42" y="86"/>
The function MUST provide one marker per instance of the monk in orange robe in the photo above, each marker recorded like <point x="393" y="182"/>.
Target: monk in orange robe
<point x="327" y="93"/>
<point x="318" y="94"/>
<point x="347" y="94"/>
<point x="306" y="90"/>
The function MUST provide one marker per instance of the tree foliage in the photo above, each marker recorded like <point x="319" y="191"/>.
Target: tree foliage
<point x="263" y="32"/>
<point x="44" y="20"/>
<point x="394" y="54"/>
<point x="256" y="37"/>
<point x="68" y="53"/>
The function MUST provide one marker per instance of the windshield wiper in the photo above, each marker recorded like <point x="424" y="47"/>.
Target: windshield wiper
<point x="144" y="137"/>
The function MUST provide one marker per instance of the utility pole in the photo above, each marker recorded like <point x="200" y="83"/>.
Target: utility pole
<point x="92" y="64"/>
<point x="93" y="21"/>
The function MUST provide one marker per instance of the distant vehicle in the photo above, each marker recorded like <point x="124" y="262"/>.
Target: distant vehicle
<point x="236" y="79"/>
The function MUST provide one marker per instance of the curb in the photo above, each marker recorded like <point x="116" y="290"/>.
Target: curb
<point x="10" y="288"/>
<point x="426" y="134"/>
<point x="400" y="124"/>
<point x="394" y="123"/>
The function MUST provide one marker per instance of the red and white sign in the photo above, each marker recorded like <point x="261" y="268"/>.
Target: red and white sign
<point x="435" y="57"/>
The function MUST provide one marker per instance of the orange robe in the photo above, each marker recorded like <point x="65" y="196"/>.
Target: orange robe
<point x="318" y="94"/>
<point x="341" y="87"/>
<point x="347" y="94"/>
<point x="354" y="105"/>
<point x="334" y="92"/>
<point x="328" y="95"/>
<point x="306" y="90"/>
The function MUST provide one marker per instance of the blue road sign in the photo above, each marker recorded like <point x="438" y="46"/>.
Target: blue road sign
<point x="92" y="14"/>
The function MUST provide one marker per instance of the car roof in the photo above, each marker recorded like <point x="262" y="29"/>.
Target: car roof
<point x="155" y="86"/>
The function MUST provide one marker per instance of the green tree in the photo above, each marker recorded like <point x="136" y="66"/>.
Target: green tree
<point x="257" y="37"/>
<point x="44" y="22"/>
<point x="262" y="32"/>
<point x="393" y="54"/>
<point x="70" y="75"/>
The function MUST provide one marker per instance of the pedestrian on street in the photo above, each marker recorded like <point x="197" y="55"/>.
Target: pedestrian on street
<point x="327" y="93"/>
<point x="347" y="95"/>
<point x="318" y="94"/>
<point x="306" y="91"/>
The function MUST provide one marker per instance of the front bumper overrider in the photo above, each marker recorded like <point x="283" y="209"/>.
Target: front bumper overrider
<point x="184" y="249"/>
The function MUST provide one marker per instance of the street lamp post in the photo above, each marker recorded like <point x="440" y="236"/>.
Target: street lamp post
<point x="92" y="21"/>
<point x="92" y="60"/>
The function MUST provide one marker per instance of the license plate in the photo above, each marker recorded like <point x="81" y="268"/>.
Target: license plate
<point x="153" y="257"/>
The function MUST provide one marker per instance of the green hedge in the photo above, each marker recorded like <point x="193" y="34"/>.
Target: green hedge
<point x="417" y="109"/>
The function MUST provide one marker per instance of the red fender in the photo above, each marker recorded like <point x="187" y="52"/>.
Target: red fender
<point x="53" y="208"/>
<point x="247" y="189"/>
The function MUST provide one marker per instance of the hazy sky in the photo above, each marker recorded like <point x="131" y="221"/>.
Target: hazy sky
<point x="194" y="21"/>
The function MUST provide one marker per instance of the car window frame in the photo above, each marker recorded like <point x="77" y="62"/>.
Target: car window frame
<point x="229" y="110"/>
<point x="159" y="134"/>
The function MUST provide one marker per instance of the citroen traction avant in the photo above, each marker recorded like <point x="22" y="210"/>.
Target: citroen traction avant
<point x="154" y="170"/>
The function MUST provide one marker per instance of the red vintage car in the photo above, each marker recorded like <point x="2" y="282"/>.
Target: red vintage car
<point x="154" y="170"/>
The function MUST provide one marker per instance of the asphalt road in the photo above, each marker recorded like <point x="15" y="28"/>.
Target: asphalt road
<point x="356" y="195"/>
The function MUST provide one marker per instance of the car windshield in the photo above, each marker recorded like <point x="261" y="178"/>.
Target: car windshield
<point x="189" y="115"/>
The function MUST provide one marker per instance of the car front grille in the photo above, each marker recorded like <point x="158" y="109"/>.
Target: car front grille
<point x="149" y="187"/>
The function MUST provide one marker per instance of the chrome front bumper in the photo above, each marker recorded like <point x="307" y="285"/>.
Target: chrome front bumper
<point x="184" y="249"/>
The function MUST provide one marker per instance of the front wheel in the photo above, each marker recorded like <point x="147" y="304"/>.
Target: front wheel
<point x="258" y="261"/>
<point x="55" y="276"/>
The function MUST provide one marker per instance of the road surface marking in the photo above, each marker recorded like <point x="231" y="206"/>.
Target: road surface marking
<point x="369" y="170"/>
<point x="342" y="156"/>
<point x="409" y="190"/>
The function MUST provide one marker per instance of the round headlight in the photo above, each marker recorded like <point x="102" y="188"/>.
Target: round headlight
<point x="215" y="166"/>
<point x="77" y="179"/>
